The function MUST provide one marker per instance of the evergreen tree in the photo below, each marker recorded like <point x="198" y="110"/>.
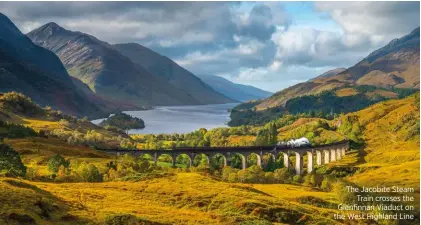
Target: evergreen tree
<point x="10" y="161"/>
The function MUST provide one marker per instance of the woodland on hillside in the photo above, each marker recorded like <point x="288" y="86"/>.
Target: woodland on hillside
<point x="43" y="159"/>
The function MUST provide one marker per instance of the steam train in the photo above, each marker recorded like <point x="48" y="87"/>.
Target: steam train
<point x="294" y="143"/>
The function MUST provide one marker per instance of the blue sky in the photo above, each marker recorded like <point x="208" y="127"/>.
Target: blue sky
<point x="271" y="45"/>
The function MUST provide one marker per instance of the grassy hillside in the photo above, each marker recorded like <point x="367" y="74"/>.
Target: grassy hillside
<point x="389" y="133"/>
<point x="18" y="110"/>
<point x="385" y="152"/>
<point x="184" y="198"/>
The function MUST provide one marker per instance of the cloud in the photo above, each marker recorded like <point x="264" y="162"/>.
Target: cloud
<point x="381" y="19"/>
<point x="269" y="44"/>
<point x="258" y="23"/>
<point x="316" y="48"/>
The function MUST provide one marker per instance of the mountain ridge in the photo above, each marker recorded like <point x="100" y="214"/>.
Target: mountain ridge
<point x="396" y="65"/>
<point x="166" y="68"/>
<point x="38" y="73"/>
<point x="107" y="71"/>
<point x="233" y="90"/>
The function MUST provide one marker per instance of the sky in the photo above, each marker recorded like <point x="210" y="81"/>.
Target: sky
<point x="270" y="45"/>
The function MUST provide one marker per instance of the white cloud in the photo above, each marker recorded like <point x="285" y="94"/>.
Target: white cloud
<point x="252" y="43"/>
<point x="251" y="74"/>
<point x="388" y="19"/>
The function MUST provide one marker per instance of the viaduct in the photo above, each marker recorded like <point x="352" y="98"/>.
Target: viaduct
<point x="321" y="154"/>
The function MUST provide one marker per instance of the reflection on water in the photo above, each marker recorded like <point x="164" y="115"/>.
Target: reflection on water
<point x="181" y="119"/>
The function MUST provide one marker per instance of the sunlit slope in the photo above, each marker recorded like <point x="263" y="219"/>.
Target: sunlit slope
<point x="185" y="198"/>
<point x="390" y="133"/>
<point x="392" y="142"/>
<point x="25" y="203"/>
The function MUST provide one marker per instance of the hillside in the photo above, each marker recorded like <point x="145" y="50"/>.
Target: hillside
<point x="176" y="75"/>
<point x="389" y="131"/>
<point x="326" y="104"/>
<point x="21" y="117"/>
<point x="38" y="73"/>
<point x="106" y="71"/>
<point x="386" y="153"/>
<point x="235" y="91"/>
<point x="394" y="66"/>
<point x="184" y="198"/>
<point x="329" y="73"/>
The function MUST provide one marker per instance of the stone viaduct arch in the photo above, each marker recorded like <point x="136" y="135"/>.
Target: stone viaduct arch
<point x="319" y="155"/>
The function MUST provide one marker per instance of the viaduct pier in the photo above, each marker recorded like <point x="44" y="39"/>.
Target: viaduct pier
<point x="316" y="155"/>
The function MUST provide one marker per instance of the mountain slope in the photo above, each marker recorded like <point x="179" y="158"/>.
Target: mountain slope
<point x="234" y="91"/>
<point x="390" y="132"/>
<point x="38" y="73"/>
<point x="329" y="73"/>
<point x="176" y="75"/>
<point x="396" y="65"/>
<point x="107" y="72"/>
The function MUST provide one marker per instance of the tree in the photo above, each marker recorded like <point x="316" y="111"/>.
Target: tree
<point x="262" y="137"/>
<point x="273" y="133"/>
<point x="55" y="162"/>
<point x="10" y="161"/>
<point x="89" y="173"/>
<point x="271" y="165"/>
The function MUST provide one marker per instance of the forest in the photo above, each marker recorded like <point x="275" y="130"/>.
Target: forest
<point x="326" y="105"/>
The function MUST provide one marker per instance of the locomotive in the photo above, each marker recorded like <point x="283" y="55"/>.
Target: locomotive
<point x="294" y="143"/>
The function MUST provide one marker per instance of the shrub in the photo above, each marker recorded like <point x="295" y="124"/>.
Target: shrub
<point x="10" y="161"/>
<point x="121" y="219"/>
<point x="313" y="179"/>
<point x="283" y="175"/>
<point x="297" y="179"/>
<point x="88" y="173"/>
<point x="327" y="184"/>
<point x="343" y="194"/>
<point x="55" y="162"/>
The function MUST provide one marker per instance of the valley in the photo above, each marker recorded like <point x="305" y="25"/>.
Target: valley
<point x="108" y="131"/>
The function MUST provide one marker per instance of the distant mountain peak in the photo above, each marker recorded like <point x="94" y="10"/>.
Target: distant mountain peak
<point x="4" y="18"/>
<point x="410" y="40"/>
<point x="416" y="32"/>
<point x="233" y="90"/>
<point x="51" y="29"/>
<point x="7" y="26"/>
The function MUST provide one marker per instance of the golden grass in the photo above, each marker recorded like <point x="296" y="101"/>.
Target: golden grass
<point x="384" y="93"/>
<point x="190" y="198"/>
<point x="346" y="92"/>
<point x="37" y="124"/>
<point x="40" y="149"/>
<point x="185" y="198"/>
<point x="25" y="203"/>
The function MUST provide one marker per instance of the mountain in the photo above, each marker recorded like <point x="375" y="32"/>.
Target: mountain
<point x="329" y="73"/>
<point x="234" y="91"/>
<point x="38" y="73"/>
<point x="396" y="65"/>
<point x="170" y="71"/>
<point x="108" y="73"/>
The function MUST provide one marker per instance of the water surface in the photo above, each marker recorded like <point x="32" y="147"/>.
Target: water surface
<point x="181" y="119"/>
